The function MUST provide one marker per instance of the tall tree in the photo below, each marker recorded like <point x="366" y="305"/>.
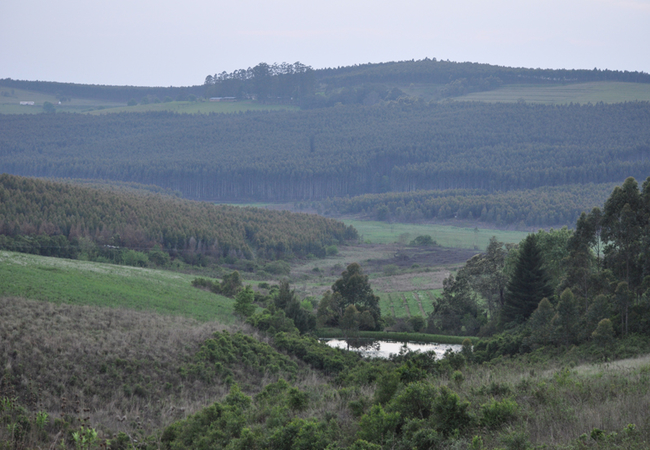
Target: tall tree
<point x="528" y="285"/>
<point x="623" y="222"/>
<point x="487" y="276"/>
<point x="354" y="289"/>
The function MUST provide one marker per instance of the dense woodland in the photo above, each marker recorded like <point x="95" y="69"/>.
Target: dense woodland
<point x="61" y="219"/>
<point x="344" y="151"/>
<point x="545" y="206"/>
<point x="558" y="287"/>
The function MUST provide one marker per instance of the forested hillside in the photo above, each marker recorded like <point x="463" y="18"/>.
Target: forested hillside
<point x="348" y="150"/>
<point x="370" y="83"/>
<point x="53" y="218"/>
<point x="544" y="206"/>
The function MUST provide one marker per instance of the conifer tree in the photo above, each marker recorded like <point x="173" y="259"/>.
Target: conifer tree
<point x="528" y="285"/>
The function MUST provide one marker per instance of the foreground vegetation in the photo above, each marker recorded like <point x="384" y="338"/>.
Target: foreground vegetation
<point x="552" y="378"/>
<point x="88" y="377"/>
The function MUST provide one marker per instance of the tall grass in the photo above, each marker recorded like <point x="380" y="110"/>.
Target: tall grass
<point x="116" y="370"/>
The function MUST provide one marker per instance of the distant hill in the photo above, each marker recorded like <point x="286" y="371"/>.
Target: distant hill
<point x="63" y="91"/>
<point x="299" y="84"/>
<point x="443" y="72"/>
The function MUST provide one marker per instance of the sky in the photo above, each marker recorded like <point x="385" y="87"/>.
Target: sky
<point x="179" y="43"/>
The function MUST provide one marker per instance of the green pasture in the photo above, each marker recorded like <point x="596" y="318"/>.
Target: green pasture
<point x="90" y="283"/>
<point x="10" y="102"/>
<point x="594" y="92"/>
<point x="202" y="107"/>
<point x="10" y="99"/>
<point x="444" y="235"/>
<point x="396" y="301"/>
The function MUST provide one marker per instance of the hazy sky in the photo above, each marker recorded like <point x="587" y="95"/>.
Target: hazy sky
<point x="172" y="42"/>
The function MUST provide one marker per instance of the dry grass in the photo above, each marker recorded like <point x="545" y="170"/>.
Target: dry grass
<point x="118" y="369"/>
<point x="558" y="404"/>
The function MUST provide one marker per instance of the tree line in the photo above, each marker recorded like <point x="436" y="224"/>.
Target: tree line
<point x="544" y="206"/>
<point x="264" y="82"/>
<point x="558" y="287"/>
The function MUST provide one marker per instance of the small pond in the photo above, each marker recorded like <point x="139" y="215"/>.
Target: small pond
<point x="383" y="349"/>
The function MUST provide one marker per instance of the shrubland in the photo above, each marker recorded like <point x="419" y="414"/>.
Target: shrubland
<point x="120" y="379"/>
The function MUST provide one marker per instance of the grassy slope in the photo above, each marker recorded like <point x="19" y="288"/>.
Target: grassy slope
<point x="605" y="91"/>
<point x="199" y="107"/>
<point x="11" y="105"/>
<point x="447" y="236"/>
<point x="89" y="283"/>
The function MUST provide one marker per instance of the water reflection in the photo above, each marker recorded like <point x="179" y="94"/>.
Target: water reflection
<point x="383" y="349"/>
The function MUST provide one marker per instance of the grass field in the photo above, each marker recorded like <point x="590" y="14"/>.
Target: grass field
<point x="10" y="104"/>
<point x="89" y="283"/>
<point x="199" y="107"/>
<point x="444" y="235"/>
<point x="606" y="91"/>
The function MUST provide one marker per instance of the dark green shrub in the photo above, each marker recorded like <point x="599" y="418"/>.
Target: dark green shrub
<point x="121" y="442"/>
<point x="358" y="407"/>
<point x="361" y="444"/>
<point x="298" y="400"/>
<point x="418" y="434"/>
<point x="387" y="385"/>
<point x="450" y="413"/>
<point x="378" y="426"/>
<point x="495" y="414"/>
<point x="300" y="434"/>
<point x="415" y="401"/>
<point x="277" y="268"/>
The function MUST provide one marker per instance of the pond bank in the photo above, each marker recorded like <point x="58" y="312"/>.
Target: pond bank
<point x="333" y="333"/>
<point x="371" y="348"/>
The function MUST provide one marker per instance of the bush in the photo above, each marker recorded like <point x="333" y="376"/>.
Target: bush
<point x="423" y="241"/>
<point x="298" y="400"/>
<point x="278" y="268"/>
<point x="450" y="413"/>
<point x="417" y="322"/>
<point x="415" y="401"/>
<point x="378" y="426"/>
<point x="495" y="414"/>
